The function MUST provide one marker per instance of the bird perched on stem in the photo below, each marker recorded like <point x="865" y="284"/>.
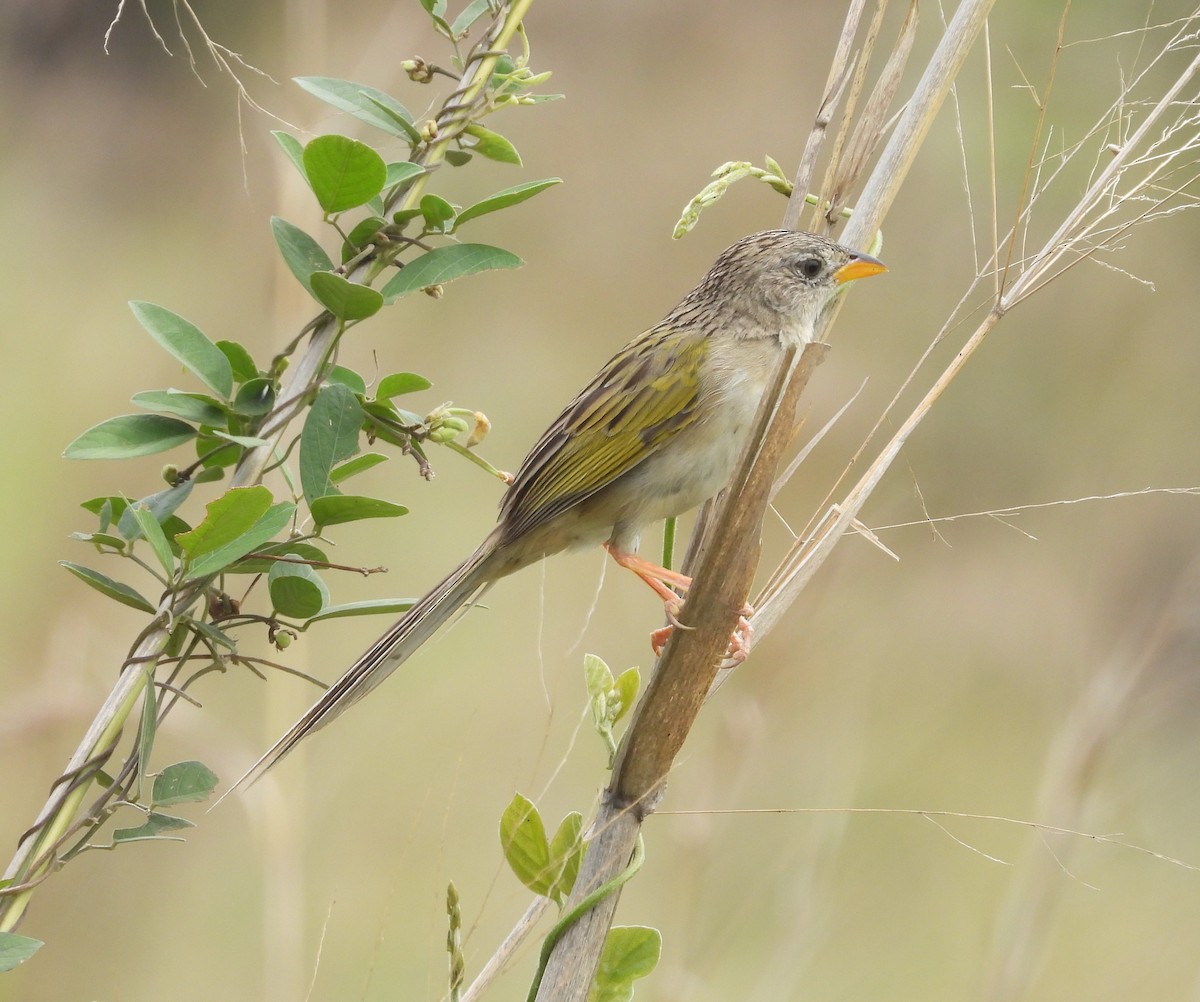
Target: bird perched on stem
<point x="657" y="432"/>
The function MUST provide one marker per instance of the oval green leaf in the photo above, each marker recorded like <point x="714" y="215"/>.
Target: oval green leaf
<point x="130" y="435"/>
<point x="438" y="213"/>
<point x="334" y="509"/>
<point x="398" y="383"/>
<point x="153" y="828"/>
<point x="343" y="172"/>
<point x="503" y="199"/>
<point x="493" y="145"/>
<point x="297" y="591"/>
<point x="345" y="300"/>
<point x="437" y="267"/>
<point x="523" y="841"/>
<point x="329" y="436"/>
<point x="198" y="408"/>
<point x="367" y="104"/>
<point x="188" y="344"/>
<point x="293" y="149"/>
<point x="359" y="464"/>
<point x="183" y="783"/>
<point x="15" y="950"/>
<point x="629" y="952"/>
<point x="369" y="607"/>
<point x="271" y="524"/>
<point x="240" y="361"/>
<point x="227" y="518"/>
<point x="107" y="586"/>
<point x="300" y="252"/>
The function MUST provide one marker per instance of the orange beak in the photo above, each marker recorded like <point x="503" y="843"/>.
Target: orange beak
<point x="859" y="266"/>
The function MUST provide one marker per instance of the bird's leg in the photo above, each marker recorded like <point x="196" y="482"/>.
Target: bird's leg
<point x="658" y="578"/>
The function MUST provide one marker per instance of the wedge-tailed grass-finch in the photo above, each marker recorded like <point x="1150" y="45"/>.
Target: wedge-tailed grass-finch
<point x="655" y="433"/>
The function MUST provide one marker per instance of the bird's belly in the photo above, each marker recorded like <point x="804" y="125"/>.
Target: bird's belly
<point x="688" y="470"/>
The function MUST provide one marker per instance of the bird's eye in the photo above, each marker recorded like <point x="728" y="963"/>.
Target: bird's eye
<point x="810" y="267"/>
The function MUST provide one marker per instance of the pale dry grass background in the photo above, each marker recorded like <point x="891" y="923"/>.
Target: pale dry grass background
<point x="938" y="682"/>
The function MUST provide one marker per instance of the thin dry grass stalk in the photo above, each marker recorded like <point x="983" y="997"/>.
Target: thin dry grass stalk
<point x="1153" y="173"/>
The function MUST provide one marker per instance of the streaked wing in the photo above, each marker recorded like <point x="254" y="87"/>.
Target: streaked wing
<point x="646" y="394"/>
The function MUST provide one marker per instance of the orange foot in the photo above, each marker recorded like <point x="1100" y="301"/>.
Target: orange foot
<point x="740" y="641"/>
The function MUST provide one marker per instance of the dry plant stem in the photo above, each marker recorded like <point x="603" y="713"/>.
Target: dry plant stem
<point x="901" y="149"/>
<point x="839" y="75"/>
<point x="496" y="962"/>
<point x="667" y="710"/>
<point x="36" y="853"/>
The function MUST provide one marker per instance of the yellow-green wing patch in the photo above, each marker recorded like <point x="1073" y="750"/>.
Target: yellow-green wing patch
<point x="644" y="395"/>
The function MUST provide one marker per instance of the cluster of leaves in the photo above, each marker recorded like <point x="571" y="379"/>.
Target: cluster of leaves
<point x="549" y="865"/>
<point x="392" y="238"/>
<point x="225" y="419"/>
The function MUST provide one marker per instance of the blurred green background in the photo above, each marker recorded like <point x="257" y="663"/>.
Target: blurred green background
<point x="958" y="678"/>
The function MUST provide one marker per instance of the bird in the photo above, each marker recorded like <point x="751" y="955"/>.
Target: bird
<point x="656" y="432"/>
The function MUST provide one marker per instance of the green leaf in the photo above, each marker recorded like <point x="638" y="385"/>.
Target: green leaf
<point x="15" y="950"/>
<point x="273" y="521"/>
<point x="227" y="518"/>
<point x="369" y="607"/>
<point x="437" y="267"/>
<point x="216" y="452"/>
<point x="153" y="829"/>
<point x="187" y="343"/>
<point x="330" y="435"/>
<point x="625" y="691"/>
<point x="334" y="509"/>
<point x="358" y="100"/>
<point x="344" y="299"/>
<point x="361" y="235"/>
<point x="471" y="13"/>
<point x="493" y="145"/>
<point x="107" y="586"/>
<point x="183" y="783"/>
<point x="630" y="952"/>
<point x="100" y="539"/>
<point x="297" y="591"/>
<point x="436" y="8"/>
<point x="257" y="562"/>
<point x="198" y="408"/>
<point x="292" y="148"/>
<point x="503" y="199"/>
<point x="210" y="633"/>
<point x="240" y="361"/>
<point x="403" y="127"/>
<point x="597" y="676"/>
<point x="348" y="378"/>
<point x="148" y="526"/>
<point x="130" y="435"/>
<point x="300" y="252"/>
<point x="359" y="464"/>
<point x="523" y="841"/>
<point x="255" y="398"/>
<point x="438" y="213"/>
<point x="566" y="854"/>
<point x="148" y="728"/>
<point x="457" y="158"/>
<point x="343" y="172"/>
<point x="401" y="171"/>
<point x="162" y="506"/>
<point x="399" y="383"/>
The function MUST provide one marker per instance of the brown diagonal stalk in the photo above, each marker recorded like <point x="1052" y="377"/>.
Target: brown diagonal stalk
<point x="669" y="707"/>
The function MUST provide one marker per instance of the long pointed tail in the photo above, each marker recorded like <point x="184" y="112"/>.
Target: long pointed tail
<point x="383" y="657"/>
